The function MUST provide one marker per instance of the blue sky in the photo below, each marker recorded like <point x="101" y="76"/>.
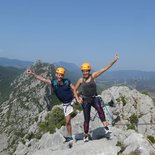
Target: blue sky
<point x="80" y="31"/>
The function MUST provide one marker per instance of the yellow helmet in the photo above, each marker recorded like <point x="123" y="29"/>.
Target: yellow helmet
<point x="85" y="66"/>
<point x="60" y="70"/>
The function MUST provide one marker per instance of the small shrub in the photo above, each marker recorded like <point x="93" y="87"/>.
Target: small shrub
<point x="151" y="138"/>
<point x="122" y="99"/>
<point x="121" y="145"/>
<point x="154" y="100"/>
<point x="38" y="135"/>
<point x="30" y="136"/>
<point x="133" y="119"/>
<point x="36" y="119"/>
<point x="46" y="126"/>
<point x="55" y="119"/>
<point x="118" y="100"/>
<point x="145" y="93"/>
<point x="131" y="126"/>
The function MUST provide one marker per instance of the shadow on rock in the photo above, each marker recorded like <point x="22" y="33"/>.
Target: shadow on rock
<point x="97" y="133"/>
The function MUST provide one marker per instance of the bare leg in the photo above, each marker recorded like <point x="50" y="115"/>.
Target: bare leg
<point x="68" y="124"/>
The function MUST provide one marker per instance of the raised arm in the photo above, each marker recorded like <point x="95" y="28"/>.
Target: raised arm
<point x="98" y="73"/>
<point x="38" y="77"/>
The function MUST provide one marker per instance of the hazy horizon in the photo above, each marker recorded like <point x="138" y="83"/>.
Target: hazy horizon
<point x="77" y="65"/>
<point x="80" y="31"/>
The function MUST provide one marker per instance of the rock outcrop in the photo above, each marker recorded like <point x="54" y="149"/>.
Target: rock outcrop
<point x="124" y="140"/>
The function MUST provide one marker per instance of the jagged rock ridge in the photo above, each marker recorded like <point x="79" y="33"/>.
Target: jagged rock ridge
<point x="29" y="98"/>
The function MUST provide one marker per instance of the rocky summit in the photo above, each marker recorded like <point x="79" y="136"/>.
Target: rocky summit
<point x="131" y="117"/>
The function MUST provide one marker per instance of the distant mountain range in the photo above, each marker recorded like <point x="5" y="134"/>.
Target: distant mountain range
<point x="14" y="63"/>
<point x="129" y="74"/>
<point x="74" y="70"/>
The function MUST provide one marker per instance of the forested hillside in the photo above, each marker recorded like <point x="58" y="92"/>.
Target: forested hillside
<point x="7" y="76"/>
<point x="5" y="62"/>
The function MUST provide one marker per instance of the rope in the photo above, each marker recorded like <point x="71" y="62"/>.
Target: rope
<point x="111" y="117"/>
<point x="95" y="115"/>
<point x="136" y="124"/>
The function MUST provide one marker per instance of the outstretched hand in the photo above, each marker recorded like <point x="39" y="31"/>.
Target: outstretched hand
<point x="116" y="57"/>
<point x="29" y="71"/>
<point x="80" y="100"/>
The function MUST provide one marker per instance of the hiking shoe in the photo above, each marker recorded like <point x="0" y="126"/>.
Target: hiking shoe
<point x="106" y="129"/>
<point x="86" y="138"/>
<point x="68" y="139"/>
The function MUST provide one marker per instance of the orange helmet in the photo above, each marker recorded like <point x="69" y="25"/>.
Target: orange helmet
<point x="85" y="66"/>
<point x="60" y="70"/>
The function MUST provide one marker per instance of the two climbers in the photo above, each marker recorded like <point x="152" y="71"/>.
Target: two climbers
<point x="66" y="91"/>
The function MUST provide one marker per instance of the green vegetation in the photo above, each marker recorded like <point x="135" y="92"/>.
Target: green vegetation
<point x="77" y="106"/>
<point x="131" y="126"/>
<point x="55" y="119"/>
<point x="154" y="100"/>
<point x="133" y="119"/>
<point x="121" y="145"/>
<point x="151" y="138"/>
<point x="7" y="76"/>
<point x="122" y="100"/>
<point x="32" y="135"/>
<point x="145" y="92"/>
